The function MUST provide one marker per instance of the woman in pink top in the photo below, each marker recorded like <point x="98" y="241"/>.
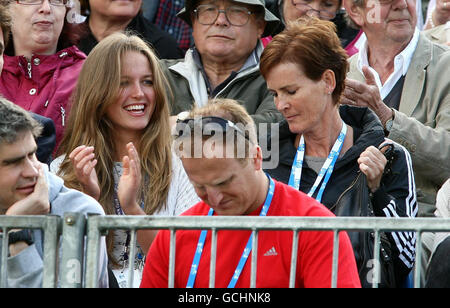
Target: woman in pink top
<point x="41" y="62"/>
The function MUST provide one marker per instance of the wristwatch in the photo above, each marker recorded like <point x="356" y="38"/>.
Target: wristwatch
<point x="388" y="124"/>
<point x="20" y="236"/>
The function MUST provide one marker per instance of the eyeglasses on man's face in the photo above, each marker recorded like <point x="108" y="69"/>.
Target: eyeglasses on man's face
<point x="327" y="9"/>
<point x="207" y="14"/>
<point x="39" y="2"/>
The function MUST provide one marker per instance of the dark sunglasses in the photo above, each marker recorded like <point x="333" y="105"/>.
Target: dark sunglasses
<point x="209" y="126"/>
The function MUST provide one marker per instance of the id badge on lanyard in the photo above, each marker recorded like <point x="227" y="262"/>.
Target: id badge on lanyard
<point x="325" y="171"/>
<point x="245" y="254"/>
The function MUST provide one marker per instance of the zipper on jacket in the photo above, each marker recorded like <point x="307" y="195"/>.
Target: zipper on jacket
<point x="29" y="69"/>
<point x="63" y="116"/>
<point x="247" y="73"/>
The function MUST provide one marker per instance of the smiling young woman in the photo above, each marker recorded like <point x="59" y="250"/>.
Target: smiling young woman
<point x="118" y="143"/>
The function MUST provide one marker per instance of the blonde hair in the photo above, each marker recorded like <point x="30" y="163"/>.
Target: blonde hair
<point x="98" y="87"/>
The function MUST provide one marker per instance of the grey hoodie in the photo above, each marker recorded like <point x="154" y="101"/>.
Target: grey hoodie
<point x="25" y="270"/>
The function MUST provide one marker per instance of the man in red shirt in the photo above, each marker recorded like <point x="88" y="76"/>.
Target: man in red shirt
<point x="237" y="186"/>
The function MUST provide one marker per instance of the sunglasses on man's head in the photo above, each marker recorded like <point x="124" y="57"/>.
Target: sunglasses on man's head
<point x="208" y="126"/>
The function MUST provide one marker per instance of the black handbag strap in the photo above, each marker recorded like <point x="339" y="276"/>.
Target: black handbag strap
<point x="390" y="156"/>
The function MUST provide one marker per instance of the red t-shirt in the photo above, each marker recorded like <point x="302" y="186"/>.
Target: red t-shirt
<point x="315" y="251"/>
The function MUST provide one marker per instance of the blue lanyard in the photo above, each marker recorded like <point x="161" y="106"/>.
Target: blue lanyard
<point x="245" y="254"/>
<point x="327" y="168"/>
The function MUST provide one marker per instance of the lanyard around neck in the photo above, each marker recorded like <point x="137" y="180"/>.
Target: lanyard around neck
<point x="325" y="171"/>
<point x="245" y="254"/>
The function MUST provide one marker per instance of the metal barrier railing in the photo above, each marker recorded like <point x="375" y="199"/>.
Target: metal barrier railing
<point x="73" y="230"/>
<point x="99" y="225"/>
<point x="51" y="228"/>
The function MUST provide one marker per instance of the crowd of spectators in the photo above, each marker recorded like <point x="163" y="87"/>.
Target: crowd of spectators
<point x="102" y="91"/>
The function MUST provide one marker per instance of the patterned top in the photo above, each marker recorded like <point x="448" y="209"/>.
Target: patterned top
<point x="180" y="198"/>
<point x="167" y="20"/>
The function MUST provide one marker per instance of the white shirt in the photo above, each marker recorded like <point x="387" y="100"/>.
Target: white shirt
<point x="401" y="64"/>
<point x="431" y="7"/>
<point x="420" y="21"/>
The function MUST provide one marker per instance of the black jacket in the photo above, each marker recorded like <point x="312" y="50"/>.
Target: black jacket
<point x="163" y="43"/>
<point x="396" y="196"/>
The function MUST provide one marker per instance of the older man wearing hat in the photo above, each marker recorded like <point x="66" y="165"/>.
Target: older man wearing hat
<point x="224" y="61"/>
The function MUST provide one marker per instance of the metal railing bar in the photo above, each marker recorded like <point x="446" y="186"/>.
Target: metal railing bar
<point x="212" y="268"/>
<point x="3" y="260"/>
<point x="334" y="271"/>
<point x="294" y="257"/>
<point x="172" y="255"/>
<point x="93" y="252"/>
<point x="254" y="265"/>
<point x="418" y="263"/>
<point x="72" y="250"/>
<point x="275" y="223"/>
<point x="51" y="234"/>
<point x="376" y="261"/>
<point x="131" y="258"/>
<point x="25" y="221"/>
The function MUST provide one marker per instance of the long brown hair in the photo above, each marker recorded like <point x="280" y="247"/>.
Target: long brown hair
<point x="98" y="87"/>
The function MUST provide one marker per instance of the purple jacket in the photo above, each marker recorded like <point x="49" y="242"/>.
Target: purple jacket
<point x="44" y="84"/>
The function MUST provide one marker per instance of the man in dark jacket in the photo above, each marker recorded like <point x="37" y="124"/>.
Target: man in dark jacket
<point x="224" y="62"/>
